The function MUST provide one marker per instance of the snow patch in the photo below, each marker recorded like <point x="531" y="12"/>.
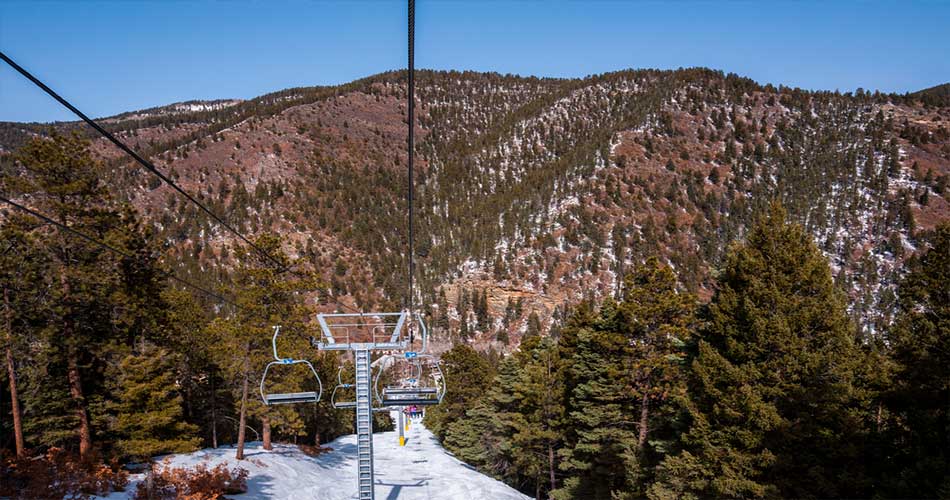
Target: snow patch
<point x="421" y="469"/>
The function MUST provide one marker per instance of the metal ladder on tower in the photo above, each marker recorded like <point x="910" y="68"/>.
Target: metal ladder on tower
<point x="364" y="425"/>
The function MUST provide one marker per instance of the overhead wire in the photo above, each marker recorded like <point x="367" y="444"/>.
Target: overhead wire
<point x="149" y="166"/>
<point x="411" y="147"/>
<point x="115" y="250"/>
<point x="122" y="253"/>
<point x="142" y="161"/>
<point x="411" y="85"/>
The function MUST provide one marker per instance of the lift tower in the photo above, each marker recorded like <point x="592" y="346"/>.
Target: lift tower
<point x="364" y="333"/>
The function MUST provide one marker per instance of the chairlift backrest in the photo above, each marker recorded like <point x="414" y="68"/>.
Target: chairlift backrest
<point x="289" y="397"/>
<point x="340" y="385"/>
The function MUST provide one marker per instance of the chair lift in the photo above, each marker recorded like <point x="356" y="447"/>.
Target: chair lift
<point x="410" y="392"/>
<point x="340" y="385"/>
<point x="289" y="397"/>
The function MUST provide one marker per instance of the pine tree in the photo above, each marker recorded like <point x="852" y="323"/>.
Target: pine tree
<point x="475" y="439"/>
<point x="534" y="325"/>
<point x="21" y="266"/>
<point x="442" y="317"/>
<point x="483" y="436"/>
<point x="468" y="376"/>
<point x="502" y="336"/>
<point x="481" y="310"/>
<point x="603" y="435"/>
<point x="772" y="399"/>
<point x="63" y="182"/>
<point x="464" y="332"/>
<point x="919" y="398"/>
<point x="509" y="313"/>
<point x="201" y="380"/>
<point x="583" y="318"/>
<point x="658" y="319"/>
<point x="539" y="417"/>
<point x="149" y="409"/>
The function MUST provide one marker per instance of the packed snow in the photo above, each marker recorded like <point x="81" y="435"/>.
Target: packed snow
<point x="421" y="469"/>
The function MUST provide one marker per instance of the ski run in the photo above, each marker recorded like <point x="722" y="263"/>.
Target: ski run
<point x="420" y="470"/>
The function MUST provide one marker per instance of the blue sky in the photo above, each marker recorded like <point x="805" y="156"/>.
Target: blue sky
<point x="109" y="57"/>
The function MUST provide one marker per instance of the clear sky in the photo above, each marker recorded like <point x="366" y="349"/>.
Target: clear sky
<point x="109" y="57"/>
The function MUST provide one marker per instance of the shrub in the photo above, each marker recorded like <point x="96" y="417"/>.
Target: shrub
<point x="200" y="483"/>
<point x="59" y="474"/>
<point x="313" y="451"/>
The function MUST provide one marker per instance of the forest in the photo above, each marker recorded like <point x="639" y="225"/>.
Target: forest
<point x="767" y="391"/>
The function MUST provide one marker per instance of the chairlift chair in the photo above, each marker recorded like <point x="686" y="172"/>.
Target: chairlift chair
<point x="412" y="392"/>
<point x="289" y="397"/>
<point x="340" y="385"/>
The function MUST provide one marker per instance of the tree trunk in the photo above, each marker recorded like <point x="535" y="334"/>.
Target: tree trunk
<point x="72" y="372"/>
<point x="75" y="390"/>
<point x="242" y="421"/>
<point x="11" y="374"/>
<point x="644" y="421"/>
<point x="214" y="416"/>
<point x="879" y="418"/>
<point x="265" y="431"/>
<point x="551" y="465"/>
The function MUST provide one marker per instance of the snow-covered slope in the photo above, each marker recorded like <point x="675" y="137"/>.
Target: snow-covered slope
<point x="421" y="469"/>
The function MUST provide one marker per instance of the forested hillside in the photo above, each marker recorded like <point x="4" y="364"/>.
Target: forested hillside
<point x="539" y="192"/>
<point x="644" y="283"/>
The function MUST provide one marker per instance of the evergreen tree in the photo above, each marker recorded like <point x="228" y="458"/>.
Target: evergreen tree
<point x="539" y="417"/>
<point x="534" y="326"/>
<point x="149" y="411"/>
<point x="481" y="310"/>
<point x="21" y="266"/>
<point x="483" y="437"/>
<point x="201" y="380"/>
<point x="464" y="332"/>
<point x="267" y="297"/>
<point x="658" y="320"/>
<point x="509" y="313"/>
<point x="63" y="182"/>
<point x="476" y="439"/>
<point x="468" y="376"/>
<point x="920" y="396"/>
<point x="772" y="400"/>
<point x="442" y="317"/>
<point x="605" y="438"/>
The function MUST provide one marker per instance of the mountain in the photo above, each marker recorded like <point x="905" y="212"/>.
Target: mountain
<point x="536" y="193"/>
<point x="938" y="95"/>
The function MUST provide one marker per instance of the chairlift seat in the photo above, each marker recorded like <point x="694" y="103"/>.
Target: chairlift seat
<point x="292" y="397"/>
<point x="409" y="396"/>
<point x="409" y="390"/>
<point x="410" y="402"/>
